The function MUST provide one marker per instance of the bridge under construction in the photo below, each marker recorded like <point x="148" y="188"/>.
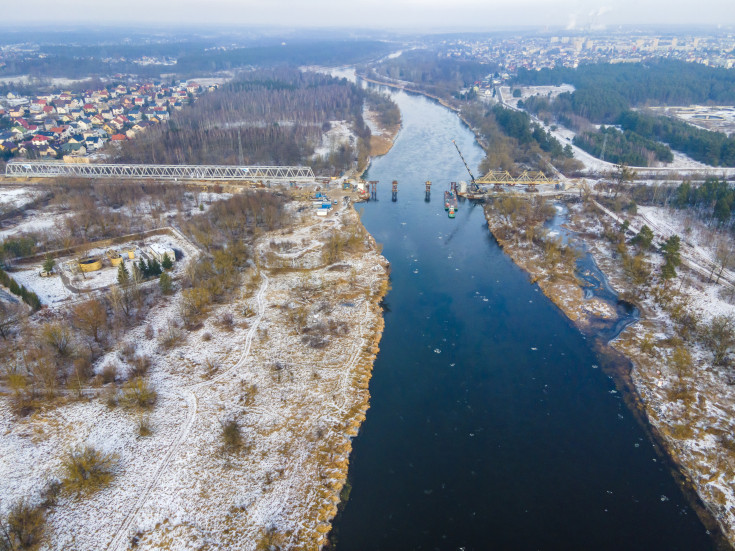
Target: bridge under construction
<point x="36" y="169"/>
<point x="503" y="178"/>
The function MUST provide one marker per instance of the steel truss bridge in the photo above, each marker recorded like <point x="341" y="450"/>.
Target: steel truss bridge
<point x="503" y="178"/>
<point x="35" y="169"/>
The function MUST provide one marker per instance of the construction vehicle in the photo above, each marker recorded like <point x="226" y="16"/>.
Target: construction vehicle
<point x="475" y="191"/>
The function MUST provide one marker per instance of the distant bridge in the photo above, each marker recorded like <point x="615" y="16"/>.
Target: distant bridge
<point x="37" y="169"/>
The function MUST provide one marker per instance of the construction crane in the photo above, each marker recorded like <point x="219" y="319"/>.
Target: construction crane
<point x="473" y="185"/>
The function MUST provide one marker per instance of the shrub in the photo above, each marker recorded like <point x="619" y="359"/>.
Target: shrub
<point x="109" y="373"/>
<point x="225" y="320"/>
<point x="145" y="428"/>
<point x="86" y="470"/>
<point x="58" y="337"/>
<point x="231" y="435"/>
<point x="171" y="336"/>
<point x="25" y="527"/>
<point x="165" y="283"/>
<point x="137" y="393"/>
<point x="50" y="493"/>
<point x="149" y="332"/>
<point x="141" y="365"/>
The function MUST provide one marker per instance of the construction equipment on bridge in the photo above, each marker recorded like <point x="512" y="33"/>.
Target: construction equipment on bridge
<point x="474" y="188"/>
<point x="38" y="169"/>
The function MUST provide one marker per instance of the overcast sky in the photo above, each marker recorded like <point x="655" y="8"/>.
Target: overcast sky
<point x="394" y="14"/>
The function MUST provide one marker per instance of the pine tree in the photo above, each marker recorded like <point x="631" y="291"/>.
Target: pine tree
<point x="166" y="262"/>
<point x="154" y="268"/>
<point x="644" y="238"/>
<point x="123" y="276"/>
<point x="671" y="251"/>
<point x="143" y="267"/>
<point x="668" y="272"/>
<point x="164" y="282"/>
<point x="48" y="264"/>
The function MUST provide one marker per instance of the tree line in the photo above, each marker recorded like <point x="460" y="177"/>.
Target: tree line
<point x="712" y="148"/>
<point x="274" y="116"/>
<point x="714" y="197"/>
<point x="626" y="147"/>
<point x="657" y="82"/>
<point x="513" y="142"/>
<point x="605" y="94"/>
<point x="439" y="75"/>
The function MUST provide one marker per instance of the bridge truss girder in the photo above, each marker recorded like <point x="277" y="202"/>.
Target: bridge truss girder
<point x="36" y="169"/>
<point x="503" y="177"/>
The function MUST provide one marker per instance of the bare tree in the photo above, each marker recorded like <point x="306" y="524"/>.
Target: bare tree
<point x="10" y="314"/>
<point x="91" y="318"/>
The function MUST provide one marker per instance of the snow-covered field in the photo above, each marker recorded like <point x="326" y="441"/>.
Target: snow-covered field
<point x="16" y="197"/>
<point x="549" y="92"/>
<point x="719" y="118"/>
<point x="70" y="284"/>
<point x="34" y="221"/>
<point x="297" y="405"/>
<point x="338" y="135"/>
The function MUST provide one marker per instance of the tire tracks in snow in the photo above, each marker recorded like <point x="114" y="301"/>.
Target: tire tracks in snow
<point x="189" y="394"/>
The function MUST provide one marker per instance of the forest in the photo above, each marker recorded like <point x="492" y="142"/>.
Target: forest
<point x="514" y="143"/>
<point x="659" y="82"/>
<point x="192" y="58"/>
<point x="706" y="146"/>
<point x="714" y="197"/>
<point x="294" y="54"/>
<point x="623" y="147"/>
<point x="606" y="93"/>
<point x="277" y="116"/>
<point x="438" y="75"/>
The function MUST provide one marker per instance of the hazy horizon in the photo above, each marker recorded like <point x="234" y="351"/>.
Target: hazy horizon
<point x="396" y="15"/>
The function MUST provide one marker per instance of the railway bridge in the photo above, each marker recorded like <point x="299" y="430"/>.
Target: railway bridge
<point x="42" y="169"/>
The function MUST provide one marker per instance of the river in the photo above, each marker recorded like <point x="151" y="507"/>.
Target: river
<point x="491" y="425"/>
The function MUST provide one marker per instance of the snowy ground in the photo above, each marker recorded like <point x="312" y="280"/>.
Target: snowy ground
<point x="59" y="289"/>
<point x="339" y="134"/>
<point x="16" y="197"/>
<point x="34" y="221"/>
<point x="692" y="411"/>
<point x="719" y="118"/>
<point x="298" y="407"/>
<point x="549" y="92"/>
<point x="682" y="164"/>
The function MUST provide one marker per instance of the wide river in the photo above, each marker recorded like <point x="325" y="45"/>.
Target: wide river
<point x="491" y="425"/>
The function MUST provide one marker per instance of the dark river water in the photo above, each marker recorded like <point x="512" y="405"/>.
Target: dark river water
<point x="491" y="425"/>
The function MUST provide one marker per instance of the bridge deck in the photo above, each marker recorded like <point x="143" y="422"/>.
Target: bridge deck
<point x="36" y="169"/>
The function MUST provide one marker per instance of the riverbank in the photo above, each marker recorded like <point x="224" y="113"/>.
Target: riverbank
<point x="287" y="359"/>
<point x="687" y="408"/>
<point x="382" y="137"/>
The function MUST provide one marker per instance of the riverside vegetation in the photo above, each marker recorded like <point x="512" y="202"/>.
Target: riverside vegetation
<point x="681" y="348"/>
